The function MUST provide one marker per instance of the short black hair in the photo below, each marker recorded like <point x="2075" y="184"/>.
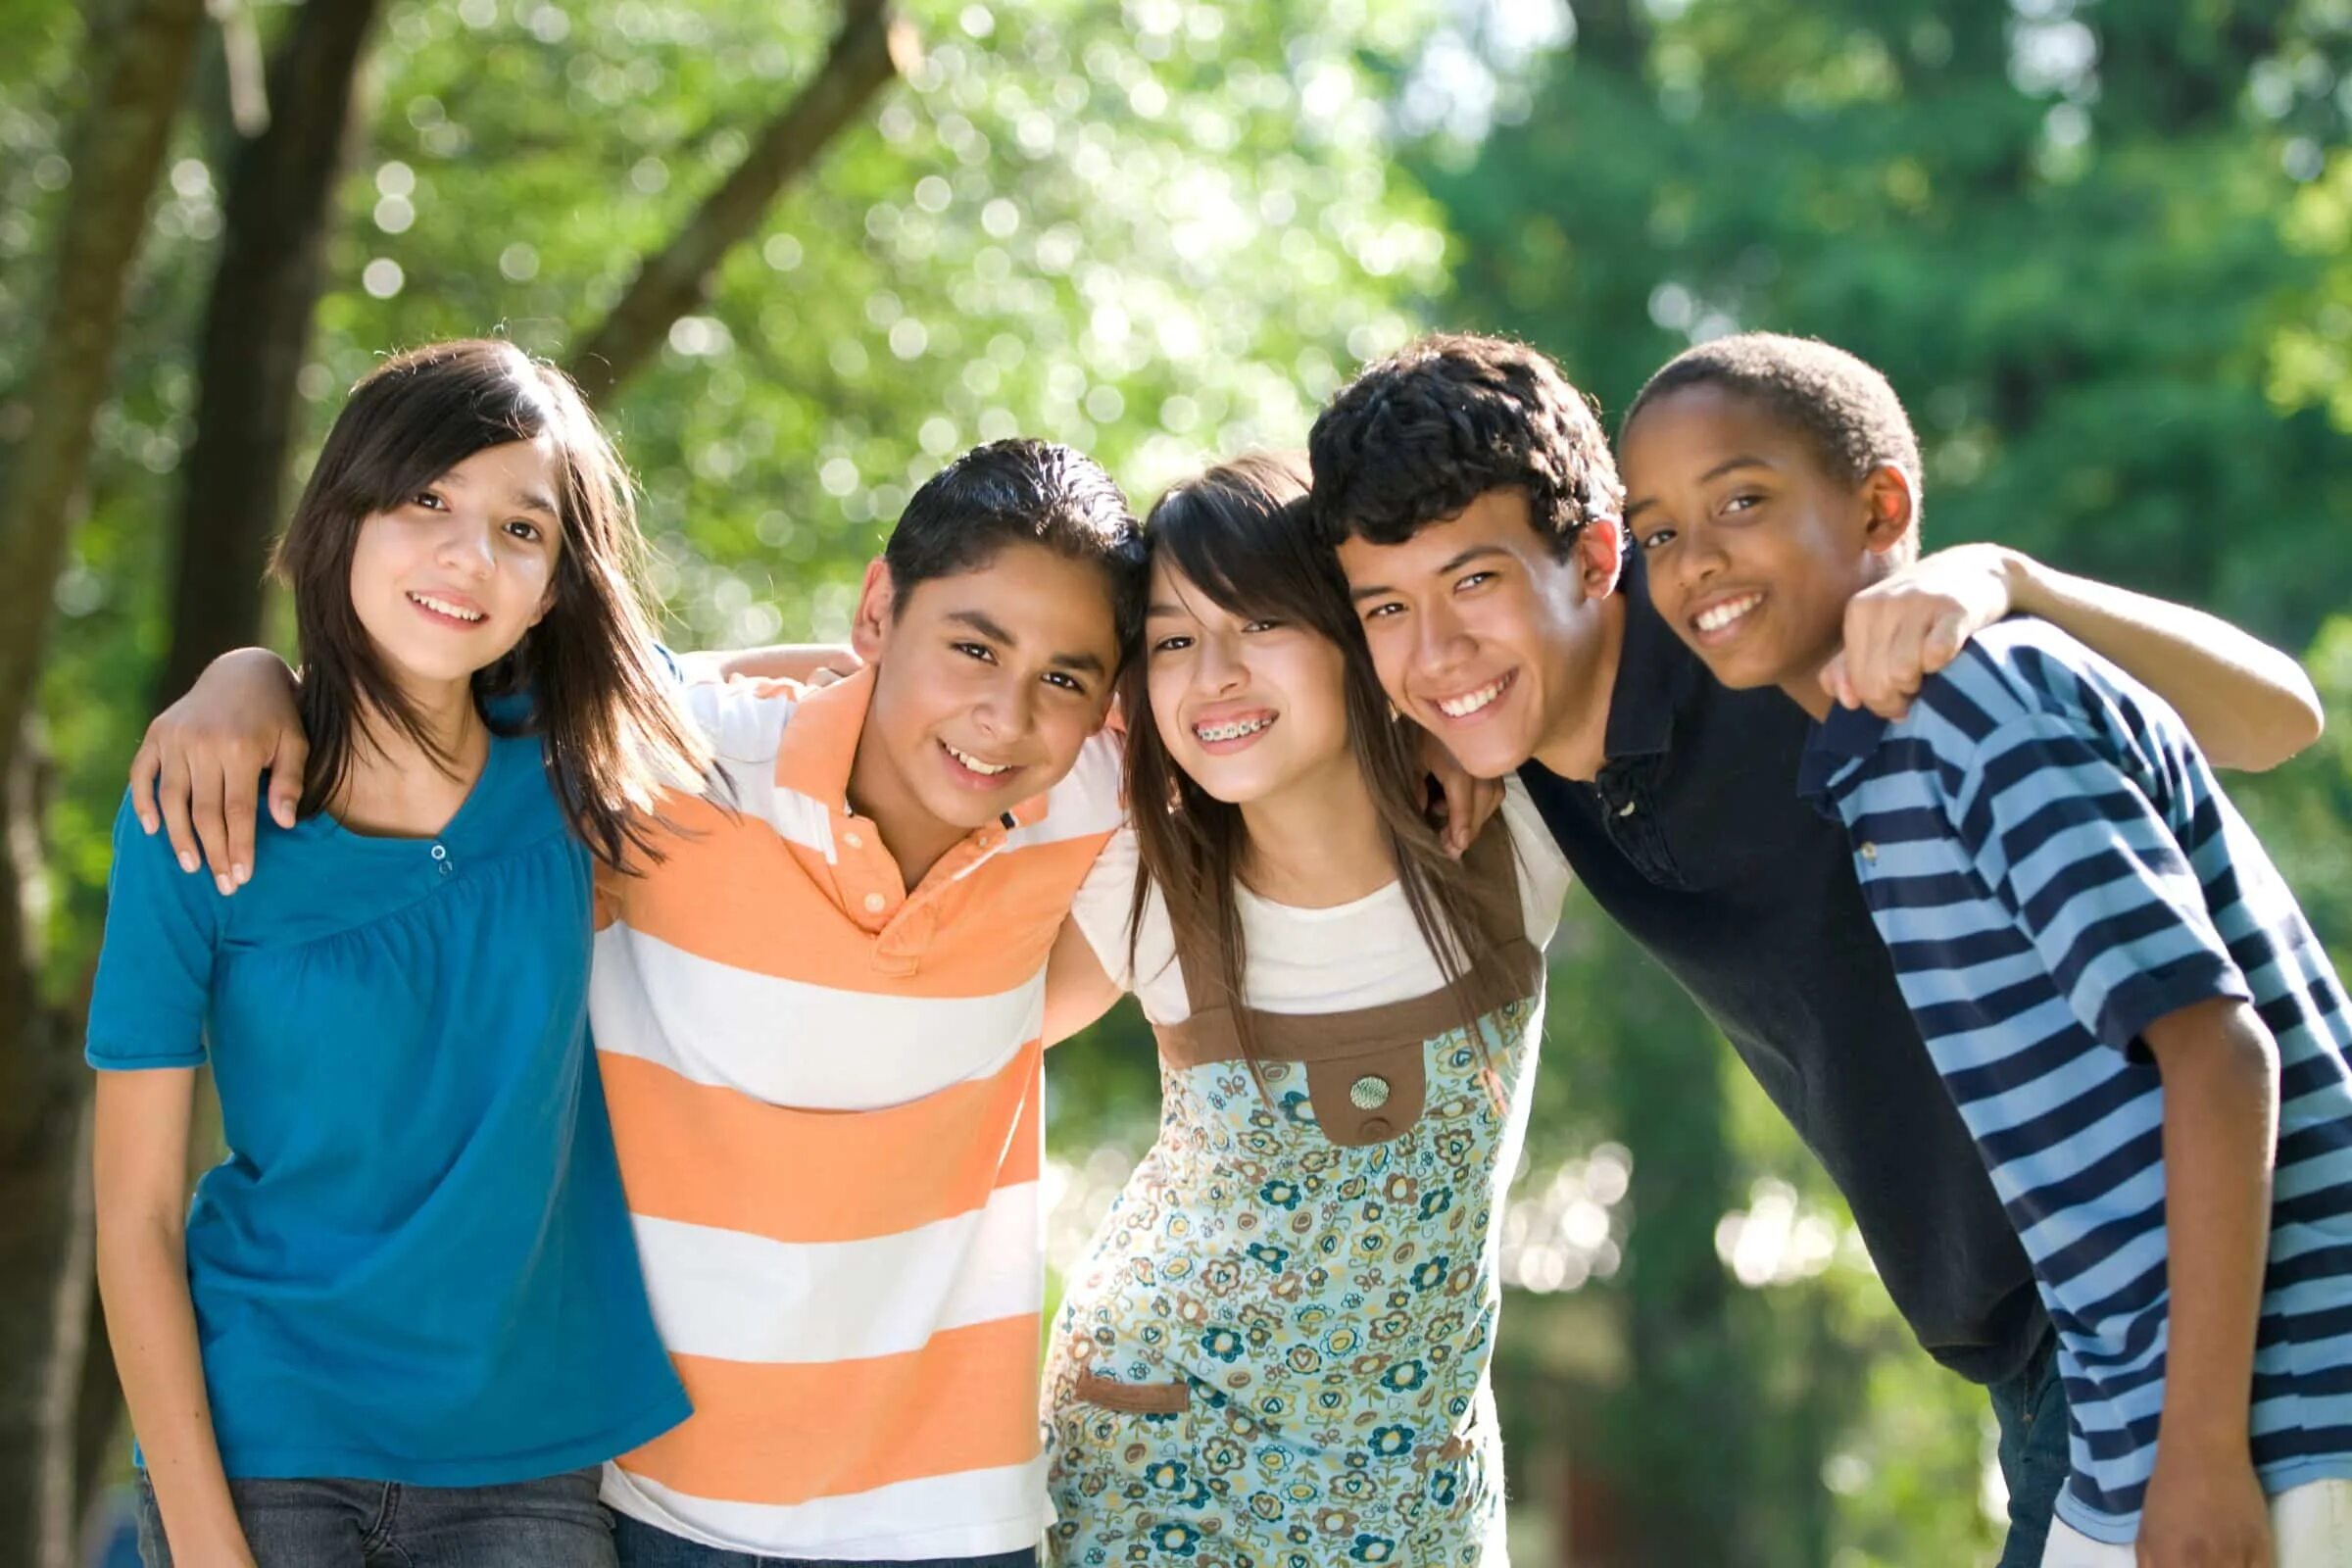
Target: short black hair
<point x="1420" y="435"/>
<point x="1023" y="491"/>
<point x="1842" y="403"/>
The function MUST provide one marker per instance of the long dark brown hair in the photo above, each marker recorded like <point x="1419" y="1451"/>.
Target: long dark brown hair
<point x="1239" y="533"/>
<point x="597" y="692"/>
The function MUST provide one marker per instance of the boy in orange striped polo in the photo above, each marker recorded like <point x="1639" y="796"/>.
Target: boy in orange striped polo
<point x="819" y="1019"/>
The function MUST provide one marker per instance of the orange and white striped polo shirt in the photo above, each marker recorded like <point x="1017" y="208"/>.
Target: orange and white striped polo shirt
<point x="826" y="1092"/>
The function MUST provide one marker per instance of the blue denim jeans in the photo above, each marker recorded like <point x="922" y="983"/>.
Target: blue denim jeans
<point x="556" y="1522"/>
<point x="2031" y="1408"/>
<point x="644" y="1546"/>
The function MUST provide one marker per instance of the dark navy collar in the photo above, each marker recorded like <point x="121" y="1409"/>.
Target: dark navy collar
<point x="1657" y="675"/>
<point x="1833" y="746"/>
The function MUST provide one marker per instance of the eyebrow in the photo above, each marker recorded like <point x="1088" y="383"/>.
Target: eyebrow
<point x="1633" y="509"/>
<point x="1453" y="563"/>
<point x="980" y="623"/>
<point x="529" y="498"/>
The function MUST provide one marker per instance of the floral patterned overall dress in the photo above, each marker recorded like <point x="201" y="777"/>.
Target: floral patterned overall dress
<point x="1275" y="1354"/>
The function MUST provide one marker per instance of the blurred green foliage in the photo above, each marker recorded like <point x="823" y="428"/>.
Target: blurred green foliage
<point x="2105" y="252"/>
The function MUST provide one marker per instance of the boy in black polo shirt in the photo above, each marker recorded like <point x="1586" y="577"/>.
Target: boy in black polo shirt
<point x="1458" y="481"/>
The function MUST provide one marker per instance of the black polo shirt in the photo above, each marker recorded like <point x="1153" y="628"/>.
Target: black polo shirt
<point x="1694" y="840"/>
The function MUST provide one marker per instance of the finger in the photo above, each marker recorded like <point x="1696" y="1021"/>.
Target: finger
<point x="143" y="769"/>
<point x="1943" y="641"/>
<point x="1890" y="673"/>
<point x="1834" y="681"/>
<point x="171" y="801"/>
<point x="207" y="789"/>
<point x="287" y="768"/>
<point x="239" y="809"/>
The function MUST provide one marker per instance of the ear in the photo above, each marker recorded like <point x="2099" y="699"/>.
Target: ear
<point x="877" y="602"/>
<point x="1889" y="510"/>
<point x="1599" y="557"/>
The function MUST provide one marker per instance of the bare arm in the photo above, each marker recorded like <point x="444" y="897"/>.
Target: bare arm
<point x="2250" y="706"/>
<point x="140" y="1164"/>
<point x="813" y="664"/>
<point x="2220" y="1123"/>
<point x="1077" y="989"/>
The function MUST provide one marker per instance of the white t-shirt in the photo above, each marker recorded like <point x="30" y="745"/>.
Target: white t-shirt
<point x="1365" y="953"/>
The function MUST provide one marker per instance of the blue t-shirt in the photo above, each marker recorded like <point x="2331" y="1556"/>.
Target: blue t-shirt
<point x="416" y="1263"/>
<point x="2053" y="868"/>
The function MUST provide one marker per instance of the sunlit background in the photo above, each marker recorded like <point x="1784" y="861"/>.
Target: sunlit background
<point x="2103" y="248"/>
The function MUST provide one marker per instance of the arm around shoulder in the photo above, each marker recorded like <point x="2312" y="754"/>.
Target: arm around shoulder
<point x="2250" y="706"/>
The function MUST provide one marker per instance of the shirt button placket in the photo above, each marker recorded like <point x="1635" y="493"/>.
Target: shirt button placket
<point x="441" y="859"/>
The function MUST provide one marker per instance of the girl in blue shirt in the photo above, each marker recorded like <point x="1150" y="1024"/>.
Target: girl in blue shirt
<point x="402" y="1322"/>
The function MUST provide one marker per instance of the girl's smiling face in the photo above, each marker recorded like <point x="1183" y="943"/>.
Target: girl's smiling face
<point x="1247" y="707"/>
<point x="448" y="580"/>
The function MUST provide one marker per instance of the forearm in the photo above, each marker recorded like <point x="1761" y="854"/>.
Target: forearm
<point x="151" y="1323"/>
<point x="2221" y="1112"/>
<point x="800" y="662"/>
<point x="2250" y="706"/>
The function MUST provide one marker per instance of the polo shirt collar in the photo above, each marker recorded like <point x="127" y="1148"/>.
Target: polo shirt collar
<point x="1657" y="676"/>
<point x="819" y="747"/>
<point x="1832" y="748"/>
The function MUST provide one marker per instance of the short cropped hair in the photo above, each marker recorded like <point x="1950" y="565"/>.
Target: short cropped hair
<point x="1022" y="492"/>
<point x="1838" y="401"/>
<point x="1417" y="437"/>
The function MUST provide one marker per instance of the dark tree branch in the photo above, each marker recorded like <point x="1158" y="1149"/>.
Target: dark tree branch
<point x="257" y="333"/>
<point x="871" y="47"/>
<point x="120" y="147"/>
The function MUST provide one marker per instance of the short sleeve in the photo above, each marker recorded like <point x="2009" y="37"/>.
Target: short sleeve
<point x="743" y="719"/>
<point x="1544" y="874"/>
<point x="155" y="968"/>
<point x="2092" y="873"/>
<point x="1103" y="902"/>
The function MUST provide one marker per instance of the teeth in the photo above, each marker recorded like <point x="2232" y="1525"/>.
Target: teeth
<point x="1724" y="614"/>
<point x="986" y="769"/>
<point x="1464" y="706"/>
<point x="1232" y="730"/>
<point x="444" y="608"/>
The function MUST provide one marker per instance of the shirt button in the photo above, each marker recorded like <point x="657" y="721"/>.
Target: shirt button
<point x="854" y="841"/>
<point x="440" y="852"/>
<point x="1377" y="1128"/>
<point x="1368" y="1093"/>
<point x="1870" y="851"/>
<point x="1627" y="809"/>
<point x="874" y="902"/>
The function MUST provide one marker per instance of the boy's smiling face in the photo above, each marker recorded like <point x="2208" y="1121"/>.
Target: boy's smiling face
<point x="1483" y="634"/>
<point x="1753" y="545"/>
<point x="987" y="685"/>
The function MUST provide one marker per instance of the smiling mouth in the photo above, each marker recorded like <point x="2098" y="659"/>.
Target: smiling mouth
<point x="1721" y="617"/>
<point x="975" y="765"/>
<point x="1228" y="731"/>
<point x="1473" y="703"/>
<point x="447" y="611"/>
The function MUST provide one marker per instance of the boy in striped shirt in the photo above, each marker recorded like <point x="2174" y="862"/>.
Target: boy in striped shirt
<point x="2140" y="1031"/>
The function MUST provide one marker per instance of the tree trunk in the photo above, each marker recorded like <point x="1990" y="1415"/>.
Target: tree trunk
<point x="119" y="150"/>
<point x="257" y="333"/>
<point x="139" y="76"/>
<point x="870" y="48"/>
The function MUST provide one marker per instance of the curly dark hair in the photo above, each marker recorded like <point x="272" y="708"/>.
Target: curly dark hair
<point x="1420" y="435"/>
<point x="1841" y="401"/>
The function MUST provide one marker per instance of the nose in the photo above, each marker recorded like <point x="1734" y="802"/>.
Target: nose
<point x="1443" y="641"/>
<point x="1008" y="712"/>
<point x="1700" y="557"/>
<point x="1218" y="668"/>
<point x="465" y="547"/>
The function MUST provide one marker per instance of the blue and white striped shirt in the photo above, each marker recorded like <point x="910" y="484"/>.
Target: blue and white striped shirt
<point x="2053" y="868"/>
